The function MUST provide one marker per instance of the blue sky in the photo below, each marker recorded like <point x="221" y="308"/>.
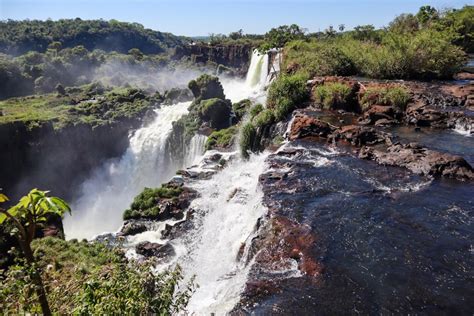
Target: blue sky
<point x="201" y="17"/>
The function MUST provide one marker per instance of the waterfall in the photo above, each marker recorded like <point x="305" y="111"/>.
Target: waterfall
<point x="226" y="215"/>
<point x="113" y="186"/>
<point x="258" y="70"/>
<point x="195" y="150"/>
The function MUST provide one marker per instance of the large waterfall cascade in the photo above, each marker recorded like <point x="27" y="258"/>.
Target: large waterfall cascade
<point x="226" y="211"/>
<point x="113" y="186"/>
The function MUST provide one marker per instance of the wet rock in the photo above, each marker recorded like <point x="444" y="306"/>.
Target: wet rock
<point x="378" y="112"/>
<point x="306" y="126"/>
<point x="206" y="87"/>
<point x="360" y="135"/>
<point x="159" y="251"/>
<point x="176" y="95"/>
<point x="420" y="160"/>
<point x="282" y="241"/>
<point x="179" y="229"/>
<point x="132" y="228"/>
<point x="217" y="112"/>
<point x="464" y="76"/>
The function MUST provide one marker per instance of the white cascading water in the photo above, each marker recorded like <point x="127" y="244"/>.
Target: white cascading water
<point x="112" y="188"/>
<point x="226" y="215"/>
<point x="226" y="212"/>
<point x="258" y="70"/>
<point x="195" y="150"/>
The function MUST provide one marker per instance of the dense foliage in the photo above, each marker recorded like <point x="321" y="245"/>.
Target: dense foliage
<point x="146" y="204"/>
<point x="19" y="37"/>
<point x="91" y="104"/>
<point x="92" y="279"/>
<point x="286" y="93"/>
<point x="428" y="45"/>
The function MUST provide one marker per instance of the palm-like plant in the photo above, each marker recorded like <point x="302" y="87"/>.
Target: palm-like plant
<point x="31" y="212"/>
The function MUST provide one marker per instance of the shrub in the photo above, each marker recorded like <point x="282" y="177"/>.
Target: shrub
<point x="247" y="139"/>
<point x="285" y="94"/>
<point x="317" y="58"/>
<point x="264" y="118"/>
<point x="206" y="87"/>
<point x="240" y="108"/>
<point x="216" y="111"/>
<point x="257" y="108"/>
<point x="223" y="138"/>
<point x="145" y="205"/>
<point x="397" y="97"/>
<point x="92" y="279"/>
<point x="333" y="95"/>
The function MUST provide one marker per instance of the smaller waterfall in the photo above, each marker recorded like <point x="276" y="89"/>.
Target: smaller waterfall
<point x="258" y="70"/>
<point x="195" y="150"/>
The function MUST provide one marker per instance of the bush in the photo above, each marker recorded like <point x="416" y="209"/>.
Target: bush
<point x="216" y="111"/>
<point x="317" y="58"/>
<point x="397" y="97"/>
<point x="145" y="205"/>
<point x="257" y="108"/>
<point x="206" y="87"/>
<point x="333" y="96"/>
<point x="222" y="139"/>
<point x="247" y="139"/>
<point x="286" y="93"/>
<point x="264" y="118"/>
<point x="92" y="279"/>
<point x="240" y="108"/>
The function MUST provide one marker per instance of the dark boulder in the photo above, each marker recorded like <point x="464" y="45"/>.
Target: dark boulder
<point x="159" y="251"/>
<point x="217" y="112"/>
<point x="206" y="87"/>
<point x="132" y="228"/>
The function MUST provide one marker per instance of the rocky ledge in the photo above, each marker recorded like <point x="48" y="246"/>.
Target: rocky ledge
<point x="375" y="144"/>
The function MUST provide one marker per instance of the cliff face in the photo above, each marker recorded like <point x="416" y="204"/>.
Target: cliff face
<point x="234" y="56"/>
<point x="57" y="160"/>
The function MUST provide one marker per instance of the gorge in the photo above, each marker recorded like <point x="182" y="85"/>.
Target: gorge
<point x="290" y="173"/>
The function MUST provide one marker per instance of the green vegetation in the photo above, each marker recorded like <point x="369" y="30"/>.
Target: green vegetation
<point x="395" y="96"/>
<point x="90" y="104"/>
<point x="278" y="37"/>
<point x="206" y="87"/>
<point x="224" y="138"/>
<point x="333" y="96"/>
<point x="18" y="37"/>
<point x="216" y="112"/>
<point x="84" y="278"/>
<point x="286" y="93"/>
<point x="255" y="110"/>
<point x="264" y="118"/>
<point x="317" y="58"/>
<point x="146" y="204"/>
<point x="240" y="108"/>
<point x="428" y="45"/>
<point x="31" y="212"/>
<point x="247" y="139"/>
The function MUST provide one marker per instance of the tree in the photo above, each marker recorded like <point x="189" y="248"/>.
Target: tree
<point x="427" y="14"/>
<point x="341" y="27"/>
<point x="278" y="37"/>
<point x="330" y="32"/>
<point x="236" y="35"/>
<point x="30" y="213"/>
